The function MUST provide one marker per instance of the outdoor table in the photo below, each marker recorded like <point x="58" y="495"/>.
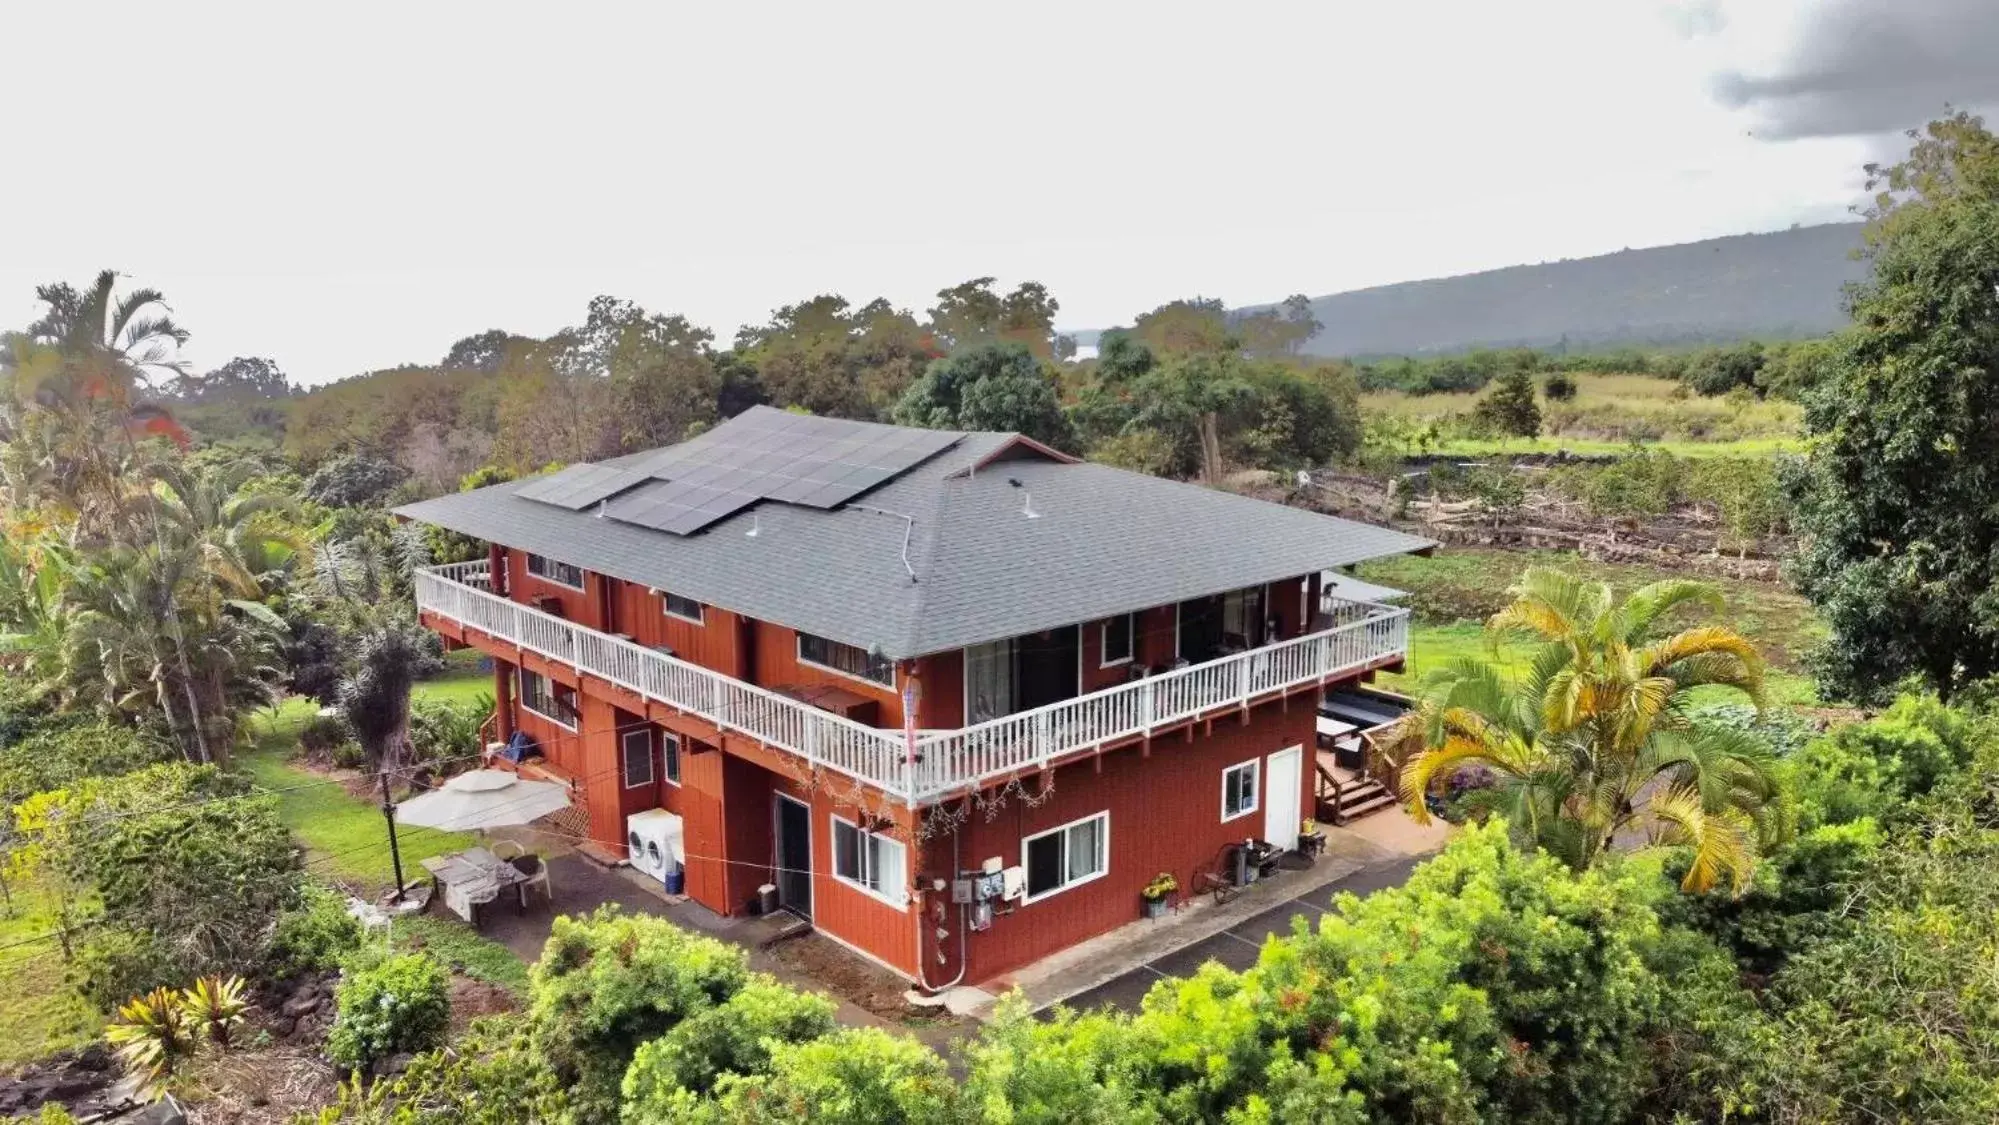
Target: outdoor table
<point x="465" y="872"/>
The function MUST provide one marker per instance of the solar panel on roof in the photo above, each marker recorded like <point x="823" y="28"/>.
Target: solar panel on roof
<point x="579" y="486"/>
<point x="760" y="455"/>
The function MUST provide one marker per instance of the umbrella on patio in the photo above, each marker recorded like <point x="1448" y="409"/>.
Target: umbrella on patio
<point x="481" y="799"/>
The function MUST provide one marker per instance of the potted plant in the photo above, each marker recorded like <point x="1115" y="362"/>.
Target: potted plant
<point x="1157" y="892"/>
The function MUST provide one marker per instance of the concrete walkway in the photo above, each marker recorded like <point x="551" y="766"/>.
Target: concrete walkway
<point x="1119" y="967"/>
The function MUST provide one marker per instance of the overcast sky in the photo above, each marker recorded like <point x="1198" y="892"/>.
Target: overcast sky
<point x="352" y="186"/>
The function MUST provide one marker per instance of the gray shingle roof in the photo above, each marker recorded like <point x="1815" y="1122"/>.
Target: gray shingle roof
<point x="1106" y="542"/>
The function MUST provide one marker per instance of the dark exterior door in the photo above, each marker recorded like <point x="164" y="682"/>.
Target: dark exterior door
<point x="794" y="856"/>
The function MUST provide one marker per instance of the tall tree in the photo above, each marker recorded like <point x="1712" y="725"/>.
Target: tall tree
<point x="975" y="313"/>
<point x="246" y="377"/>
<point x="1198" y="326"/>
<point x="999" y="386"/>
<point x="1898" y="499"/>
<point x="1593" y="747"/>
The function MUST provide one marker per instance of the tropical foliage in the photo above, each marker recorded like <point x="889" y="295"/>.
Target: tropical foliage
<point x="1592" y="746"/>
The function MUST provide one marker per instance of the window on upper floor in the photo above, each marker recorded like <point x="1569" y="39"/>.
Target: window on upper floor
<point x="1068" y="856"/>
<point x="552" y="701"/>
<point x="845" y="659"/>
<point x="687" y="609"/>
<point x="1115" y="640"/>
<point x="869" y="861"/>
<point x="560" y="573"/>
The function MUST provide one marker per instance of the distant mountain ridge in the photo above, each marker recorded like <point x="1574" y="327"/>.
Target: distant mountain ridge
<point x="1778" y="285"/>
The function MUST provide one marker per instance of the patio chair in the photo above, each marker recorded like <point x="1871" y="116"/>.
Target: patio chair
<point x="534" y="872"/>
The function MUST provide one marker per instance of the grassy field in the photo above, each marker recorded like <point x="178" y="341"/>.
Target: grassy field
<point x="1453" y="592"/>
<point x="462" y="682"/>
<point x="345" y="837"/>
<point x="1609" y="412"/>
<point x="455" y="944"/>
<point x="39" y="1012"/>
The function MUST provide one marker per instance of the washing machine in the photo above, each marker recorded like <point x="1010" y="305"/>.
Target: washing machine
<point x="653" y="839"/>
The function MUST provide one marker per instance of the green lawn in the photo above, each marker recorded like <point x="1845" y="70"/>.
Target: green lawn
<point x="1453" y="592"/>
<point x="345" y="836"/>
<point x="39" y="1011"/>
<point x="458" y="946"/>
<point x="462" y="681"/>
<point x="1582" y="446"/>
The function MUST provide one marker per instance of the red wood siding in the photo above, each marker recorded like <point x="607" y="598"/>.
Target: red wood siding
<point x="1281" y="601"/>
<point x="777" y="666"/>
<point x="1165" y="815"/>
<point x="942" y="706"/>
<point x="886" y="933"/>
<point x="712" y="644"/>
<point x="1096" y="677"/>
<point x="585" y="606"/>
<point x="1155" y="642"/>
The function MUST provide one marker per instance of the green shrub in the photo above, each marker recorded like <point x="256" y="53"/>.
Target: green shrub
<point x="607" y="984"/>
<point x="489" y="1076"/>
<point x="58" y="754"/>
<point x="323" y="733"/>
<point x="442" y="731"/>
<point x="1559" y="386"/>
<point x="736" y="1036"/>
<point x="400" y="1004"/>
<point x="857" y="1076"/>
<point x="315" y="934"/>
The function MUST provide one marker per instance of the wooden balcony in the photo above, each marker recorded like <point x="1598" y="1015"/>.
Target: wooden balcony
<point x="1357" y="637"/>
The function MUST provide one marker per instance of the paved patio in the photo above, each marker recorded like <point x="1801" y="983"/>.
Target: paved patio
<point x="1119" y="967"/>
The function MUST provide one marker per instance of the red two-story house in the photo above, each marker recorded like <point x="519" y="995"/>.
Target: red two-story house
<point x="958" y="696"/>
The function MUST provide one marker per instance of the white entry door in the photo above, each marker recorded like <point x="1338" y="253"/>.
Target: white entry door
<point x="1283" y="797"/>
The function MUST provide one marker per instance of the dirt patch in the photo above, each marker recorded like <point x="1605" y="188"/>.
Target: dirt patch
<point x="472" y="999"/>
<point x="261" y="1083"/>
<point x="852" y="978"/>
<point x="818" y="961"/>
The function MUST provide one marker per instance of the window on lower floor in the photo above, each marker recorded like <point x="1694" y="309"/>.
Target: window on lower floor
<point x="637" y="746"/>
<point x="845" y="659"/>
<point x="1239" y="789"/>
<point x="670" y="743"/>
<point x="1116" y="641"/>
<point x="1064" y="857"/>
<point x="687" y="609"/>
<point x="552" y="701"/>
<point x="869" y="861"/>
<point x="560" y="573"/>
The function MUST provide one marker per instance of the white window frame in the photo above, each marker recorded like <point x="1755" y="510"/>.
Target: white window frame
<point x="700" y="616"/>
<point x="582" y="576"/>
<point x="523" y="695"/>
<point x="1068" y="884"/>
<point x="798" y="649"/>
<point x="1130" y="641"/>
<point x="625" y="758"/>
<point x="669" y="757"/>
<point x="900" y="899"/>
<point x="1255" y="768"/>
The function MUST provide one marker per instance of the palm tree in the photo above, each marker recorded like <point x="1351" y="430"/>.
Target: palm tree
<point x="1592" y="746"/>
<point x="73" y="405"/>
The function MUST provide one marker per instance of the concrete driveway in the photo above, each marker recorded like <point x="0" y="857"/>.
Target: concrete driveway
<point x="1237" y="946"/>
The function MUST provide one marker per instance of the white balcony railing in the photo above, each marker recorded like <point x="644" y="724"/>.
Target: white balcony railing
<point x="946" y="761"/>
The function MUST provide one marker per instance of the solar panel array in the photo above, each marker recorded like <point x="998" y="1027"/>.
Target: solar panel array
<point x="762" y="455"/>
<point x="579" y="486"/>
